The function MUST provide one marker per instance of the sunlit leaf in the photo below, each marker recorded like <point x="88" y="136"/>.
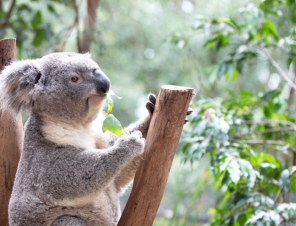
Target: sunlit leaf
<point x="113" y="125"/>
<point x="268" y="28"/>
<point x="234" y="171"/>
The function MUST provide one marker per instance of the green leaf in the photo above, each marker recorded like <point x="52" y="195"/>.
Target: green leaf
<point x="113" y="125"/>
<point x="198" y="25"/>
<point x="268" y="28"/>
<point x="289" y="61"/>
<point x="39" y="37"/>
<point x="108" y="107"/>
<point x="284" y="178"/>
<point x="36" y="20"/>
<point x="234" y="171"/>
<point x="234" y="73"/>
<point x="51" y="9"/>
<point x="247" y="172"/>
<point x="229" y="22"/>
<point x="222" y="69"/>
<point x="21" y="22"/>
<point x="285" y="181"/>
<point x="23" y="7"/>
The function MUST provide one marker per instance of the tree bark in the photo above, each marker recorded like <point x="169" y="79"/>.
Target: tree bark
<point x="11" y="136"/>
<point x="161" y="144"/>
<point x="89" y="26"/>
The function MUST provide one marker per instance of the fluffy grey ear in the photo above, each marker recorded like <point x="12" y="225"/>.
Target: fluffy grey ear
<point x="88" y="55"/>
<point x="18" y="85"/>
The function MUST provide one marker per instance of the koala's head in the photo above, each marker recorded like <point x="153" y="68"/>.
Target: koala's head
<point x="64" y="86"/>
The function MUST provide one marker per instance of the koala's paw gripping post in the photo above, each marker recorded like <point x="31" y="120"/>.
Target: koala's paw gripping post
<point x="162" y="140"/>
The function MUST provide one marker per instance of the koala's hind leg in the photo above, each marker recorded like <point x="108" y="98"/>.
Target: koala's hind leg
<point x="67" y="221"/>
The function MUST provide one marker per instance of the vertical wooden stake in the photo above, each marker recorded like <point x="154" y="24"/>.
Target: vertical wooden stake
<point x="161" y="144"/>
<point x="11" y="136"/>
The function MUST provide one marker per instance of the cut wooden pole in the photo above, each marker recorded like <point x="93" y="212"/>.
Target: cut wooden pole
<point x="11" y="136"/>
<point x="162" y="140"/>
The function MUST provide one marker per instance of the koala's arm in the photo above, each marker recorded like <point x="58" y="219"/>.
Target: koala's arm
<point x="141" y="125"/>
<point x="90" y="171"/>
<point x="127" y="174"/>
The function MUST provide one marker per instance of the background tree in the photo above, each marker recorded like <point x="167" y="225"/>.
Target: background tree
<point x="249" y="137"/>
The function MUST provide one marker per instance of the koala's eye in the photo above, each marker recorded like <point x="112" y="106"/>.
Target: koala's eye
<point x="74" y="79"/>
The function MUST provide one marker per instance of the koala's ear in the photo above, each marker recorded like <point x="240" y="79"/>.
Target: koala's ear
<point x="18" y="85"/>
<point x="88" y="55"/>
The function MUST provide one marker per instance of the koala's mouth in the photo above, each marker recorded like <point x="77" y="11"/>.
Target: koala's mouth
<point x="95" y="99"/>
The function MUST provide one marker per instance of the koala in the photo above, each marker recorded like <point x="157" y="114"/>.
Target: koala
<point x="70" y="173"/>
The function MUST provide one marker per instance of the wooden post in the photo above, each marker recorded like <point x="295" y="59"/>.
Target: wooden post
<point x="11" y="136"/>
<point x="162" y="140"/>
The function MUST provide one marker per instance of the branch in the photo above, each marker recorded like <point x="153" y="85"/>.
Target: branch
<point x="267" y="122"/>
<point x="8" y="15"/>
<point x="60" y="47"/>
<point x="76" y="21"/>
<point x="11" y="137"/>
<point x="161" y="144"/>
<point x="271" y="142"/>
<point x="279" y="69"/>
<point x="89" y="24"/>
<point x="276" y="130"/>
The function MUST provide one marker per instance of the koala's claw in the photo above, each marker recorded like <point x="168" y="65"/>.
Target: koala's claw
<point x="151" y="104"/>
<point x="152" y="98"/>
<point x="189" y="112"/>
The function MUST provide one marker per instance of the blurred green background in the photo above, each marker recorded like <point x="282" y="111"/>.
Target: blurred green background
<point x="236" y="160"/>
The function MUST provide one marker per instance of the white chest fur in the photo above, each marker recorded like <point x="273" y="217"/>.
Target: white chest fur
<point x="74" y="135"/>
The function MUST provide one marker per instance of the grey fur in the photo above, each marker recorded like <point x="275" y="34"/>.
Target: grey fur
<point x="58" y="182"/>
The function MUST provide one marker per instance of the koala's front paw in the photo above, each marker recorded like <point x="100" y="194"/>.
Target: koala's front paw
<point x="151" y="103"/>
<point x="189" y="112"/>
<point x="133" y="143"/>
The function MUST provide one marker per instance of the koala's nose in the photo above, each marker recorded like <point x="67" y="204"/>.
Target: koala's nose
<point x="102" y="82"/>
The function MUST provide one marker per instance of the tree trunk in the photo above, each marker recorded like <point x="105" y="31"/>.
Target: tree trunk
<point x="161" y="144"/>
<point x="89" y="26"/>
<point x="11" y="136"/>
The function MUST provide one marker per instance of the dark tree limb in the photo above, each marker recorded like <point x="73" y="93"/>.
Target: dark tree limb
<point x="86" y="37"/>
<point x="11" y="137"/>
<point x="161" y="144"/>
<point x="8" y="14"/>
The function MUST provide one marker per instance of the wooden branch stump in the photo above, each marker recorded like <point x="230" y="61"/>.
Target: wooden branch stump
<point x="162" y="140"/>
<point x="11" y="136"/>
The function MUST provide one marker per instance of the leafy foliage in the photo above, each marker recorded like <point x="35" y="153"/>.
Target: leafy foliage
<point x="249" y="138"/>
<point x="249" y="142"/>
<point x="246" y="36"/>
<point x="30" y="22"/>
